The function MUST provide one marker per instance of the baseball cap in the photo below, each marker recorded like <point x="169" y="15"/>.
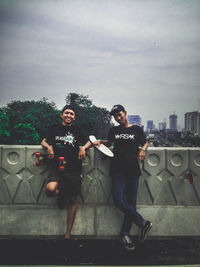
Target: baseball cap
<point x="116" y="108"/>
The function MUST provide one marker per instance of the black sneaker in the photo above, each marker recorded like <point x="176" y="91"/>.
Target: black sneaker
<point x="145" y="230"/>
<point x="127" y="242"/>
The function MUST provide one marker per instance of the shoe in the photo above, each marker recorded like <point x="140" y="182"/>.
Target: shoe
<point x="145" y="230"/>
<point x="127" y="242"/>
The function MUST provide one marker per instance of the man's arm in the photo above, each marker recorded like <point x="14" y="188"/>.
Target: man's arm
<point x="49" y="148"/>
<point x="81" y="153"/>
<point x="142" y="152"/>
<point x="104" y="142"/>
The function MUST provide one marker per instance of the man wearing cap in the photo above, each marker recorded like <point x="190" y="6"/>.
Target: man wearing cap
<point x="64" y="140"/>
<point x="125" y="172"/>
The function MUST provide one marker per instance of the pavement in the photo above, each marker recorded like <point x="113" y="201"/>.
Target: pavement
<point x="181" y="251"/>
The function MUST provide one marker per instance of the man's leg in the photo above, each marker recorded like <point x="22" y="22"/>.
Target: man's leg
<point x="118" y="195"/>
<point x="118" y="186"/>
<point x="52" y="189"/>
<point x="73" y="189"/>
<point x="130" y="193"/>
<point x="129" y="206"/>
<point x="132" y="197"/>
<point x="71" y="213"/>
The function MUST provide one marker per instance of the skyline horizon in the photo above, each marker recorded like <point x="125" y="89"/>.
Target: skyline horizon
<point x="155" y="122"/>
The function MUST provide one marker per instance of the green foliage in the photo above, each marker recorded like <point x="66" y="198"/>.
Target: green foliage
<point x="92" y="119"/>
<point x="78" y="100"/>
<point x="25" y="134"/>
<point x="30" y="119"/>
<point x="4" y="127"/>
<point x="27" y="122"/>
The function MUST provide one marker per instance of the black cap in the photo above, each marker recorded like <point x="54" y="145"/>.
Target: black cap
<point x="68" y="107"/>
<point x="116" y="108"/>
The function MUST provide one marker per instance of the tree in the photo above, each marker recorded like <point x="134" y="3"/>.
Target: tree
<point x="4" y="127"/>
<point x="29" y="120"/>
<point x="25" y="134"/>
<point x="94" y="120"/>
<point x="78" y="100"/>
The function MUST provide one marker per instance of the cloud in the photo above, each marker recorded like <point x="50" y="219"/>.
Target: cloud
<point x="142" y="53"/>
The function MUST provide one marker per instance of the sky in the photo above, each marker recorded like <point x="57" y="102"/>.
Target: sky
<point x="143" y="54"/>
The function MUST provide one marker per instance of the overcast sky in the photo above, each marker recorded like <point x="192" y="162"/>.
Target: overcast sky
<point x="142" y="54"/>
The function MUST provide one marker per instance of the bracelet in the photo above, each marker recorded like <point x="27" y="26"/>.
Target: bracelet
<point x="143" y="150"/>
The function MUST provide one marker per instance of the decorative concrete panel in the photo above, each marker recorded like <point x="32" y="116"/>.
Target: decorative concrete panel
<point x="184" y="192"/>
<point x="89" y="162"/>
<point x="13" y="158"/>
<point x="169" y="191"/>
<point x="145" y="196"/>
<point x="169" y="177"/>
<point x="103" y="176"/>
<point x="5" y="197"/>
<point x="1" y="156"/>
<point x="155" y="161"/>
<point x="177" y="161"/>
<point x="194" y="161"/>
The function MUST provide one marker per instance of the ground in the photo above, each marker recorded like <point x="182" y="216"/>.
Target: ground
<point x="90" y="251"/>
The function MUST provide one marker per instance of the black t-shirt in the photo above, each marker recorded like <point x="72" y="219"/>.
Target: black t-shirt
<point x="66" y="141"/>
<point x="126" y="148"/>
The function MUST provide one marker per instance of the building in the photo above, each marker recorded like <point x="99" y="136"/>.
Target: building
<point x="162" y="126"/>
<point x="135" y="119"/>
<point x="150" y="125"/>
<point x="173" y="122"/>
<point x="192" y="122"/>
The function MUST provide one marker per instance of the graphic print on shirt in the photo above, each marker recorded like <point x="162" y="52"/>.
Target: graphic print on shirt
<point x="125" y="136"/>
<point x="68" y="138"/>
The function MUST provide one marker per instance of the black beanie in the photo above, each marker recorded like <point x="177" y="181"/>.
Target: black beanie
<point x="68" y="107"/>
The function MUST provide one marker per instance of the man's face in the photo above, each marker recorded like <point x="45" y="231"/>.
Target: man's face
<point x="68" y="116"/>
<point x="120" y="117"/>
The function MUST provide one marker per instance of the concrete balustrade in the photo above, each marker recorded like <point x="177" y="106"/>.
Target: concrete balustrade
<point x="169" y="195"/>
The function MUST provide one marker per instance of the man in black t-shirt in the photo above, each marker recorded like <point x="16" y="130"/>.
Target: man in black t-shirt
<point x="125" y="172"/>
<point x="63" y="140"/>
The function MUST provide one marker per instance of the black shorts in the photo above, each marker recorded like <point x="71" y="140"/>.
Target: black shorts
<point x="69" y="182"/>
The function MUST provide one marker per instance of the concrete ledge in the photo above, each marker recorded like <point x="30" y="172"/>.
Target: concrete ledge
<point x="97" y="221"/>
<point x="169" y="195"/>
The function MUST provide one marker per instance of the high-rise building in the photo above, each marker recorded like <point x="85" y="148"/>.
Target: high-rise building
<point x="192" y="122"/>
<point x="162" y="126"/>
<point x="173" y="122"/>
<point x="150" y="125"/>
<point x="134" y="119"/>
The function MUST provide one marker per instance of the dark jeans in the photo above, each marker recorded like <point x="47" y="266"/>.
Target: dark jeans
<point x="124" y="191"/>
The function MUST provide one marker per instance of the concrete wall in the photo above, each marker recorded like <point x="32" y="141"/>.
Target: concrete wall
<point x="168" y="195"/>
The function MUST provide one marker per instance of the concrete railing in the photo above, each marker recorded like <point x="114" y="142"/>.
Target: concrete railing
<point x="169" y="195"/>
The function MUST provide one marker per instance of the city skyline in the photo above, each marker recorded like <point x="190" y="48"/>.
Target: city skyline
<point x="141" y="54"/>
<point x="165" y="120"/>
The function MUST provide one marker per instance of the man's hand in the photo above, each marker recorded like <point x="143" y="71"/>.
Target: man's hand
<point x="81" y="153"/>
<point x="97" y="143"/>
<point x="50" y="152"/>
<point x="141" y="155"/>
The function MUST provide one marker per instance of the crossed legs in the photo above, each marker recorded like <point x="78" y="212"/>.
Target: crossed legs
<point x="127" y="204"/>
